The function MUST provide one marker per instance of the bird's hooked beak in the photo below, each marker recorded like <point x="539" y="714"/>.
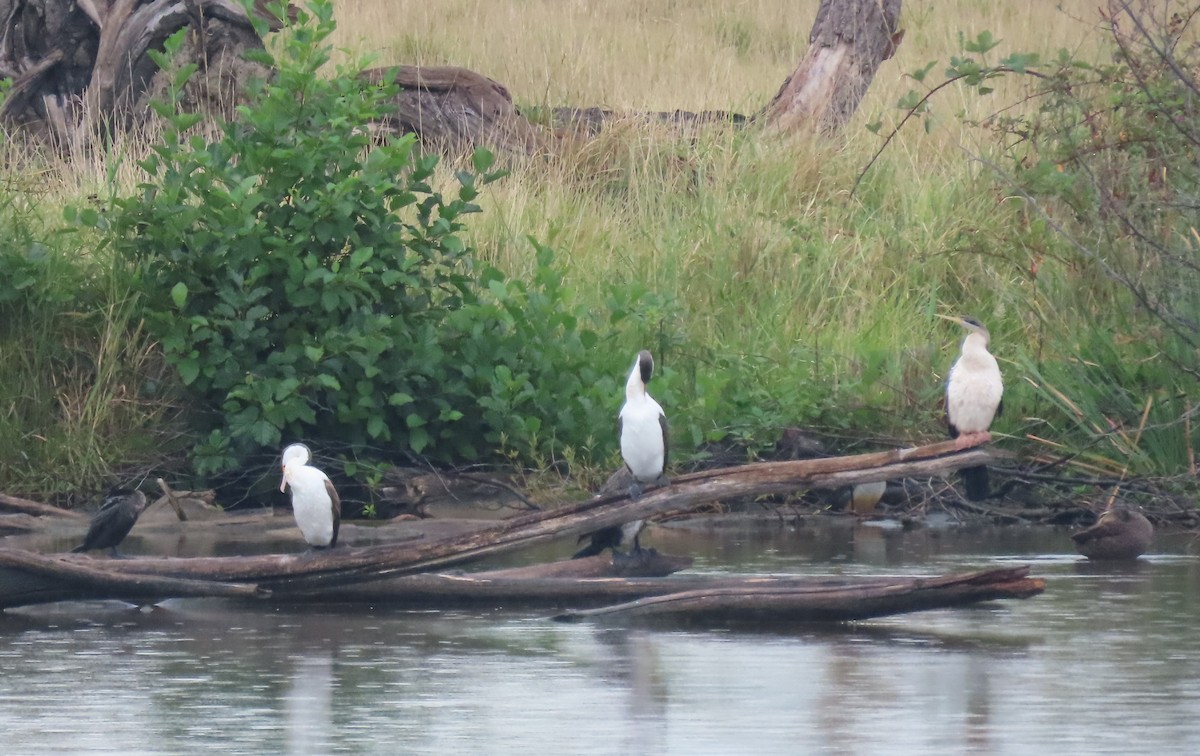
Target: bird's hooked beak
<point x="951" y="318"/>
<point x="283" y="483"/>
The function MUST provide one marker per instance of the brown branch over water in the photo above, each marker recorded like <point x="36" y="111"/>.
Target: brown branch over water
<point x="315" y="573"/>
<point x="827" y="603"/>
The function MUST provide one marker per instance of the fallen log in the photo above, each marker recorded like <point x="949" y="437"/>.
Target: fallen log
<point x="824" y="603"/>
<point x="25" y="580"/>
<point x="703" y="597"/>
<point x="294" y="576"/>
<point x="25" y="506"/>
<point x="570" y="583"/>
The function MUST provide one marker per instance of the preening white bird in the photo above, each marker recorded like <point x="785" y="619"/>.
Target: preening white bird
<point x="315" y="502"/>
<point x="974" y="397"/>
<point x="642" y="427"/>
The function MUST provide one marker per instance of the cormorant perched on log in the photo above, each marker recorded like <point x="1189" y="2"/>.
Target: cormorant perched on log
<point x="642" y="426"/>
<point x="973" y="399"/>
<point x="1119" y="534"/>
<point x="315" y="502"/>
<point x="113" y="521"/>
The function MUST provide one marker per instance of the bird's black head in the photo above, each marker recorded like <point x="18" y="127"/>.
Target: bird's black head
<point x="972" y="322"/>
<point x="646" y="365"/>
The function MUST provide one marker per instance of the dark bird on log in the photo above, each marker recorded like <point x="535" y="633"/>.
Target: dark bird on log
<point x="642" y="428"/>
<point x="113" y="521"/>
<point x="1119" y="534"/>
<point x="612" y="537"/>
<point x="315" y="502"/>
<point x="974" y="394"/>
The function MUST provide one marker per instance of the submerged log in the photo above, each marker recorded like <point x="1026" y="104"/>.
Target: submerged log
<point x="790" y="602"/>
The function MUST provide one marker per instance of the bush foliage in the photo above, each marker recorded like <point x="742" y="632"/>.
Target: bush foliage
<point x="307" y="283"/>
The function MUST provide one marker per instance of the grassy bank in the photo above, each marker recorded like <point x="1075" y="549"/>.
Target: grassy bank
<point x="771" y="297"/>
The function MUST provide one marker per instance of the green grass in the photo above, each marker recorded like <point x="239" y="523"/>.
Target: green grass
<point x="86" y="399"/>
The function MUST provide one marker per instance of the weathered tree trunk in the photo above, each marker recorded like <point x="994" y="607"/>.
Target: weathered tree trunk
<point x="455" y="110"/>
<point x="79" y="63"/>
<point x="849" y="40"/>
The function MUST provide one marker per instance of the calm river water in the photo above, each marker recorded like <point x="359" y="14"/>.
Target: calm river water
<point x="1106" y="661"/>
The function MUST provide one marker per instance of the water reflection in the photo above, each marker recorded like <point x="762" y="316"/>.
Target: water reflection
<point x="1006" y="678"/>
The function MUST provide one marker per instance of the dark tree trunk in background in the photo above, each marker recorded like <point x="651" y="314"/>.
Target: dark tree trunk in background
<point x="86" y="63"/>
<point x="848" y="42"/>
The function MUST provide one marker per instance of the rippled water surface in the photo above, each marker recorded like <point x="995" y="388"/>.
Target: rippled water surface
<point x="1106" y="661"/>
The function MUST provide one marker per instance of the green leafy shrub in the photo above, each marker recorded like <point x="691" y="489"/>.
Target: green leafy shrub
<point x="296" y="275"/>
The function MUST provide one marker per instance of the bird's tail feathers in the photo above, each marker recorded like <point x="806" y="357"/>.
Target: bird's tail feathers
<point x="592" y="549"/>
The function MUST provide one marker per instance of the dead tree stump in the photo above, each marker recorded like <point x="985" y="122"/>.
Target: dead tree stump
<point x="77" y="63"/>
<point x="849" y="41"/>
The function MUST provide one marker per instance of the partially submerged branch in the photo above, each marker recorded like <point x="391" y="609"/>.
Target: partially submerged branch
<point x="826" y="603"/>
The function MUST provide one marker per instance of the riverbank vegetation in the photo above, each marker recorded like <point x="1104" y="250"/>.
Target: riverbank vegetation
<point x="778" y="284"/>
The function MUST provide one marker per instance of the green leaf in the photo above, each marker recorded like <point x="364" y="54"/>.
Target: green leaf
<point x="376" y="427"/>
<point x="418" y="440"/>
<point x="179" y="295"/>
<point x="189" y="370"/>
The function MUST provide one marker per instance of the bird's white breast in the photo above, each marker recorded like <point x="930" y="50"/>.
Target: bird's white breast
<point x="973" y="392"/>
<point x="311" y="504"/>
<point x="642" y="444"/>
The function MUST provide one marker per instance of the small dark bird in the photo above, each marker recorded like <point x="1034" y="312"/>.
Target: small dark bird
<point x="974" y="397"/>
<point x="1119" y="534"/>
<point x="113" y="521"/>
<point x="612" y="537"/>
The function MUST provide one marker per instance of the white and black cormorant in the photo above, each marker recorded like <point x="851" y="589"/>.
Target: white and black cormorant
<point x="642" y="426"/>
<point x="315" y="502"/>
<point x="113" y="521"/>
<point x="974" y="397"/>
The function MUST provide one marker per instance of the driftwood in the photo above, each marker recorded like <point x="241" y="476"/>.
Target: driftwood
<point x="25" y="506"/>
<point x="316" y="573"/>
<point x="795" y="601"/>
